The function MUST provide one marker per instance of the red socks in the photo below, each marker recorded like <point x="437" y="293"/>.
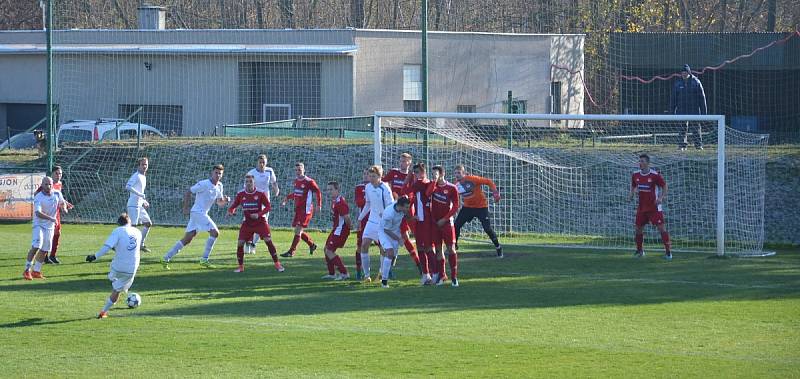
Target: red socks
<point x="240" y="254"/>
<point x="639" y="241"/>
<point x="306" y="238"/>
<point x="453" y="260"/>
<point x="336" y="261"/>
<point x="440" y="268"/>
<point x="358" y="260"/>
<point x="423" y="263"/>
<point x="273" y="252"/>
<point x="329" y="263"/>
<point x="411" y="251"/>
<point x="295" y="241"/>
<point x="665" y="240"/>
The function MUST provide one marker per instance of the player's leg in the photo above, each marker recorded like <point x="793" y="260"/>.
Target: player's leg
<point x="240" y="255"/>
<point x="120" y="282"/>
<point x="54" y="248"/>
<point x="370" y="235"/>
<point x="486" y="223"/>
<point x="641" y="221"/>
<point x="188" y="236"/>
<point x="329" y="260"/>
<point x="697" y="135"/>
<point x="386" y="265"/>
<point x="144" y="218"/>
<point x="307" y="239"/>
<point x="298" y="229"/>
<point x="359" y="241"/>
<point x="47" y="243"/>
<point x="464" y="216"/>
<point x="405" y="228"/>
<point x="213" y="234"/>
<point x="266" y="236"/>
<point x="448" y="237"/>
<point x="657" y="218"/>
<point x="684" y="136"/>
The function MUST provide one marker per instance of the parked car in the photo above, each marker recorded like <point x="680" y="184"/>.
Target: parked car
<point x="103" y="129"/>
<point x="26" y="140"/>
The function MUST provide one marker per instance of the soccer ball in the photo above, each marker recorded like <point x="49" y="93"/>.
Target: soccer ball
<point x="134" y="300"/>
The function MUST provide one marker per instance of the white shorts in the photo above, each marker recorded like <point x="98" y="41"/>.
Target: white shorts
<point x="200" y="222"/>
<point x="372" y="231"/>
<point x="138" y="215"/>
<point x="42" y="238"/>
<point x="388" y="243"/>
<point x="120" y="281"/>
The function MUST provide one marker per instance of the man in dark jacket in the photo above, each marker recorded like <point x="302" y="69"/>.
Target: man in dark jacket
<point x="688" y="98"/>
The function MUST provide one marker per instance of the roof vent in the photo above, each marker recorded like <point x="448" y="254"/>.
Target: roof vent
<point x="152" y="17"/>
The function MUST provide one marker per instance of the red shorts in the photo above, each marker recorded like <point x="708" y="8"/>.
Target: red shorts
<point x="301" y="218"/>
<point x="653" y="217"/>
<point x="423" y="233"/>
<point x="334" y="242"/>
<point x="246" y="232"/>
<point x="443" y="234"/>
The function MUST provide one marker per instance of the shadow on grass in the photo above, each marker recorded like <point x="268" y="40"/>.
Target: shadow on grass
<point x="522" y="280"/>
<point x="38" y="321"/>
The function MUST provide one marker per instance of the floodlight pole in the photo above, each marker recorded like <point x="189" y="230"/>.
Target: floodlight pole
<point x="51" y="143"/>
<point x="424" y="72"/>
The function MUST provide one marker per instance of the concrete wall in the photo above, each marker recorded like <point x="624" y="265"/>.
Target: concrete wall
<point x="467" y="69"/>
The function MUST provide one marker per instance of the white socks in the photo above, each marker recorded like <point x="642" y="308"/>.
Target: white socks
<point x="37" y="266"/>
<point x="365" y="263"/>
<point x="145" y="230"/>
<point x="255" y="238"/>
<point x="209" y="245"/>
<point x="28" y="265"/>
<point x="386" y="267"/>
<point x="174" y="250"/>
<point x="108" y="305"/>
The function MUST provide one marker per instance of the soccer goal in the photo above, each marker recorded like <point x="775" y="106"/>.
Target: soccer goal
<point x="565" y="179"/>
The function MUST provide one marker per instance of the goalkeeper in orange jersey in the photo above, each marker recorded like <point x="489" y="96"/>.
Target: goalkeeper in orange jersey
<point x="475" y="203"/>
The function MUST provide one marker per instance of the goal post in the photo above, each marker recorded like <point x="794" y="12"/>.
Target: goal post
<point x="552" y="159"/>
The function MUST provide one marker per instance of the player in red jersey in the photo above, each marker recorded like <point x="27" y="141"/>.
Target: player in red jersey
<point x="396" y="178"/>
<point x="304" y="188"/>
<point x="339" y="233"/>
<point x="57" y="186"/>
<point x="444" y="205"/>
<point x="255" y="206"/>
<point x="416" y="186"/>
<point x="652" y="189"/>
<point x="361" y="200"/>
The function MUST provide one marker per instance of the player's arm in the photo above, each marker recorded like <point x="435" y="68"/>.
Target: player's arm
<point x="317" y="194"/>
<point x="365" y="208"/>
<point x="663" y="184"/>
<point x="348" y="221"/>
<point x="63" y="204"/>
<point x="388" y="225"/>
<point x="388" y="196"/>
<point x="130" y="188"/>
<point x="492" y="187"/>
<point x="266" y="206"/>
<point x="187" y="197"/>
<point x="107" y="246"/>
<point x="37" y="210"/>
<point x="234" y="205"/>
<point x="454" y="203"/>
<point x="431" y="188"/>
<point x="274" y="185"/>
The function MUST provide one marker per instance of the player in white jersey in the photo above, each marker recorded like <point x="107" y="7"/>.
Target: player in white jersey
<point x="265" y="180"/>
<point x="125" y="241"/>
<point x="46" y="205"/>
<point x="137" y="201"/>
<point x="390" y="234"/>
<point x="377" y="196"/>
<point x="207" y="192"/>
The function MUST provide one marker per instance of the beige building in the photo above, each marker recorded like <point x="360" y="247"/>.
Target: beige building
<point x="189" y="82"/>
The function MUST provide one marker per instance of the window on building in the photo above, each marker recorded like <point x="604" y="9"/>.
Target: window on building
<point x="166" y="118"/>
<point x="270" y="91"/>
<point x="412" y="88"/>
<point x="555" y="97"/>
<point x="466" y="108"/>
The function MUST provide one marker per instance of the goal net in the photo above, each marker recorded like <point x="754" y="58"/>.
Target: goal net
<point x="565" y="179"/>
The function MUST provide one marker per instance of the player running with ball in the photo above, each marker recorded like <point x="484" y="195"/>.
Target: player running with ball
<point x="126" y="242"/>
<point x="255" y="207"/>
<point x="652" y="189"/>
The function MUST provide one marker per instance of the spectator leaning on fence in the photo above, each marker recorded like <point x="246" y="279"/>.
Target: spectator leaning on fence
<point x="688" y="98"/>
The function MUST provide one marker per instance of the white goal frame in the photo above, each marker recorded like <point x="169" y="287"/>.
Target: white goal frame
<point x="720" y="119"/>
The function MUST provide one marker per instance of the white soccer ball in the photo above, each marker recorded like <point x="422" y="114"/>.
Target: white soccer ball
<point x="134" y="300"/>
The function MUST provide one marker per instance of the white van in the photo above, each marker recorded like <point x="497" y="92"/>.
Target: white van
<point x="103" y="129"/>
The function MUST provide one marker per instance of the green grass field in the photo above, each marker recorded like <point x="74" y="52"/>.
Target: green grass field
<point x="541" y="313"/>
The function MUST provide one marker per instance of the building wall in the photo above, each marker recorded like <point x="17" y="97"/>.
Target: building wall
<point x="466" y="69"/>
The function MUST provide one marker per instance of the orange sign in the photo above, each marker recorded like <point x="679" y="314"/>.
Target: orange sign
<point x="16" y="195"/>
